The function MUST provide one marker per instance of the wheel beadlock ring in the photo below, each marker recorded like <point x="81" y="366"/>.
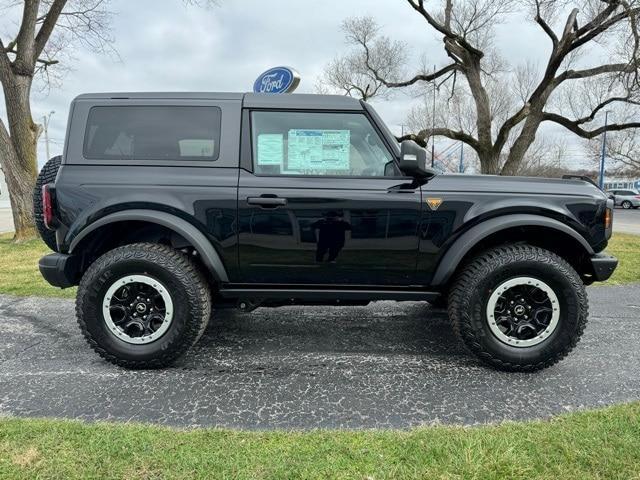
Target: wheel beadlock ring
<point x="527" y="282"/>
<point x="119" y="332"/>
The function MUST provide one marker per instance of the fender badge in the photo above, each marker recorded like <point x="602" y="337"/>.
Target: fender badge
<point x="434" y="203"/>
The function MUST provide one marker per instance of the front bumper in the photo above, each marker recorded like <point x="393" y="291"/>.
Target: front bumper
<point x="603" y="266"/>
<point x="60" y="270"/>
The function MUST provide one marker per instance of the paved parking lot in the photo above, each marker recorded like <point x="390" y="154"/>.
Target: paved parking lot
<point x="6" y="220"/>
<point x="388" y="365"/>
<point x="626" y="221"/>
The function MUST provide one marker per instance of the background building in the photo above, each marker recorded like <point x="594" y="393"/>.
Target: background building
<point x="622" y="182"/>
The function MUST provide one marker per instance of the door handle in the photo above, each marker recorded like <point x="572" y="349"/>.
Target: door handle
<point x="267" y="202"/>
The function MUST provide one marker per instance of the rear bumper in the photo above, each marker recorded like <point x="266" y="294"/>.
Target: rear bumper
<point x="60" y="270"/>
<point x="603" y="266"/>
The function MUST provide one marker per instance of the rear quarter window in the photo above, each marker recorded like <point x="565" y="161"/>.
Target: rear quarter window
<point x="158" y="132"/>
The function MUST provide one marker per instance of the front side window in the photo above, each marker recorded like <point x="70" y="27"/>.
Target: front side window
<point x="158" y="132"/>
<point x="301" y="143"/>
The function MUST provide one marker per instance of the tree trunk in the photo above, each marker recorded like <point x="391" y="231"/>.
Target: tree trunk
<point x="489" y="162"/>
<point x="18" y="154"/>
<point x="522" y="143"/>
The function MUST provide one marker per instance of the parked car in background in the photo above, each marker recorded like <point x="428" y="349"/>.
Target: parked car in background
<point x="625" y="198"/>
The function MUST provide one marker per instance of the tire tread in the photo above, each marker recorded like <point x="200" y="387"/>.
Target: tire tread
<point x="179" y="264"/>
<point x="483" y="265"/>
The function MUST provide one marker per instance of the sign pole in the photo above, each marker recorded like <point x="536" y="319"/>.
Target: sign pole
<point x="604" y="147"/>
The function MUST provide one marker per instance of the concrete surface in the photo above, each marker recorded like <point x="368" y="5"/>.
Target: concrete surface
<point x="6" y="220"/>
<point x="626" y="221"/>
<point x="388" y="365"/>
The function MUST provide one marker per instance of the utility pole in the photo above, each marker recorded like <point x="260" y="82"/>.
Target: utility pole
<point x="604" y="148"/>
<point x="461" y="166"/>
<point x="46" y="119"/>
<point x="433" y="122"/>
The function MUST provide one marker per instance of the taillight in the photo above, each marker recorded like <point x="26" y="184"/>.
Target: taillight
<point x="608" y="218"/>
<point x="47" y="207"/>
<point x="637" y="196"/>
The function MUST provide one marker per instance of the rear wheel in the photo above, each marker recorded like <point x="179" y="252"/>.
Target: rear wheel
<point x="626" y="204"/>
<point x="46" y="175"/>
<point x="143" y="305"/>
<point x="519" y="307"/>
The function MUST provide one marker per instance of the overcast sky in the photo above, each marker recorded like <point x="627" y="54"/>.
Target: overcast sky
<point x="167" y="46"/>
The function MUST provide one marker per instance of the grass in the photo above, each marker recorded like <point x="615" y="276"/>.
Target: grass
<point x="19" y="273"/>
<point x="602" y="444"/>
<point x="627" y="248"/>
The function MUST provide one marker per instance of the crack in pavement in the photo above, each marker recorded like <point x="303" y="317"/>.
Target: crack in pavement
<point x="387" y="365"/>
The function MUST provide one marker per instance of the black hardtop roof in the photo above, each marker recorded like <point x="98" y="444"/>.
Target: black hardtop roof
<point x="251" y="100"/>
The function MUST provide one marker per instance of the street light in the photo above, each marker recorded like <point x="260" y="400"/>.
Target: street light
<point x="46" y="119"/>
<point x="604" y="148"/>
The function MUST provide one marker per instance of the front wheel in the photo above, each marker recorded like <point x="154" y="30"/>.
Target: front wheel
<point x="519" y="307"/>
<point x="143" y="305"/>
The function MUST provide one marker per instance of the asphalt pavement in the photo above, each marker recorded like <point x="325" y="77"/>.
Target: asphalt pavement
<point x="387" y="365"/>
<point x="626" y="221"/>
<point x="6" y="220"/>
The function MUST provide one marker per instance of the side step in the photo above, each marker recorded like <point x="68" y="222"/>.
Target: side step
<point x="332" y="295"/>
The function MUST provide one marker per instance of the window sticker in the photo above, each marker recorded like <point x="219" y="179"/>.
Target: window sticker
<point x="311" y="150"/>
<point x="270" y="149"/>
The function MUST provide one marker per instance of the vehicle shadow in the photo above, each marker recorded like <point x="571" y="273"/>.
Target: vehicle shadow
<point x="379" y="329"/>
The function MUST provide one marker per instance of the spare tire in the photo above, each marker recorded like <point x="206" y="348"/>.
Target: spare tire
<point x="46" y="175"/>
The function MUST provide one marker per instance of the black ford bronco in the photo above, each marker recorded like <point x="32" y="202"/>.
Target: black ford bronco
<point x="166" y="206"/>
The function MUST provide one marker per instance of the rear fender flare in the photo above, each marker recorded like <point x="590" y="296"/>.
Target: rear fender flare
<point x="189" y="232"/>
<point x="457" y="251"/>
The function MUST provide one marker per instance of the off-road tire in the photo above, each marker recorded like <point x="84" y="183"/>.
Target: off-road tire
<point x="471" y="290"/>
<point x="184" y="282"/>
<point x="46" y="175"/>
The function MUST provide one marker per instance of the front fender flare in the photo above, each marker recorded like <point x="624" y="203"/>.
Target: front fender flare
<point x="195" y="237"/>
<point x="456" y="252"/>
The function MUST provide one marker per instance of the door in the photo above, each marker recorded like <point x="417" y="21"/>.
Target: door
<point x="324" y="203"/>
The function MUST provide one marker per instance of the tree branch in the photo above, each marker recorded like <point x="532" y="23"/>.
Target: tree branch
<point x="545" y="27"/>
<point x="444" y="29"/>
<point x="5" y="62"/>
<point x="584" y="36"/>
<point x="508" y="125"/>
<point x="569" y="26"/>
<point x="48" y="25"/>
<point x="592" y="72"/>
<point x="459" y="135"/>
<point x="25" y="55"/>
<point x="422" y="77"/>
<point x="574" y="126"/>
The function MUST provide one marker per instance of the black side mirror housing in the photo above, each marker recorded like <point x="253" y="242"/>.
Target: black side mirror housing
<point x="413" y="160"/>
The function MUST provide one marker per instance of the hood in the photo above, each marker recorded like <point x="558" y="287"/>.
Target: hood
<point x="525" y="185"/>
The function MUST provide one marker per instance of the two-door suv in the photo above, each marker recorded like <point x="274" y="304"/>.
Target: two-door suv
<point x="164" y="207"/>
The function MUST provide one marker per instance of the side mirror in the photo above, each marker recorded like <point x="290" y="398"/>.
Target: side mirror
<point x="413" y="160"/>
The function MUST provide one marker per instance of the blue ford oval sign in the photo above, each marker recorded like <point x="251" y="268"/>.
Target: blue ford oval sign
<point x="277" y="80"/>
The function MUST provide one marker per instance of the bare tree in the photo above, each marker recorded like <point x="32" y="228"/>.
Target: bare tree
<point x="508" y="104"/>
<point x="350" y="73"/>
<point x="42" y="46"/>
<point x="47" y="27"/>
